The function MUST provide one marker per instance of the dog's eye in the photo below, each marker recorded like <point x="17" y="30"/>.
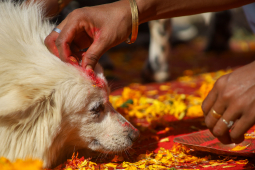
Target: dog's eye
<point x="98" y="109"/>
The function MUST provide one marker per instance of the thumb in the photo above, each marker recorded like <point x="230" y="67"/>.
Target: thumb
<point x="92" y="55"/>
<point x="50" y="43"/>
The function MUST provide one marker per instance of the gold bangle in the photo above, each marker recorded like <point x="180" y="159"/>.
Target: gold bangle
<point x="135" y="22"/>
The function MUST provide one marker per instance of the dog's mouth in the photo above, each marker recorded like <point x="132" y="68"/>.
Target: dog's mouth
<point x="97" y="146"/>
<point x="100" y="147"/>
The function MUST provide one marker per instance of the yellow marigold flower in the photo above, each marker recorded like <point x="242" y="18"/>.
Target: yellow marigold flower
<point x="159" y="156"/>
<point x="164" y="140"/>
<point x="28" y="164"/>
<point x="68" y="169"/>
<point x="92" y="163"/>
<point x="128" y="166"/>
<point x="193" y="100"/>
<point x="164" y="88"/>
<point x="152" y="92"/>
<point x="159" y="166"/>
<point x="242" y="161"/>
<point x="128" y="93"/>
<point x="131" y="168"/>
<point x="115" y="100"/>
<point x="239" y="148"/>
<point x="185" y="79"/>
<point x="84" y="163"/>
<point x="195" y="111"/>
<point x="142" y="166"/>
<point x="112" y="165"/>
<point x="205" y="89"/>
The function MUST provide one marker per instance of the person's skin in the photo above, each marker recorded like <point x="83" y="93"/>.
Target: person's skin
<point x="101" y="27"/>
<point x="233" y="96"/>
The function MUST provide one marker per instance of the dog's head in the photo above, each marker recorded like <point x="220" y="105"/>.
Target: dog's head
<point x="62" y="108"/>
<point x="46" y="104"/>
<point x="90" y="121"/>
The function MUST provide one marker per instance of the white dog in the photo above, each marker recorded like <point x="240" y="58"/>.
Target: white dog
<point x="48" y="107"/>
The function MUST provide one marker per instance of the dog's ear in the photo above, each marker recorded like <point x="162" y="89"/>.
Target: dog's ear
<point x="99" y="69"/>
<point x="12" y="102"/>
<point x="100" y="72"/>
<point x="25" y="110"/>
<point x="22" y="98"/>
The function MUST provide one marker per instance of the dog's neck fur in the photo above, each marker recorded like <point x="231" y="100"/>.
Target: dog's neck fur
<point x="38" y="134"/>
<point x="39" y="129"/>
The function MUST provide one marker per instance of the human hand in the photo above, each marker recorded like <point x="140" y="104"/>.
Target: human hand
<point x="233" y="97"/>
<point x="97" y="28"/>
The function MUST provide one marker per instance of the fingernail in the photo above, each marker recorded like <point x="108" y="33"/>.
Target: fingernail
<point x="88" y="67"/>
<point x="83" y="54"/>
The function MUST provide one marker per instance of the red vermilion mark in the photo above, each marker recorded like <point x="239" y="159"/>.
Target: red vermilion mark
<point x="126" y="124"/>
<point x="96" y="80"/>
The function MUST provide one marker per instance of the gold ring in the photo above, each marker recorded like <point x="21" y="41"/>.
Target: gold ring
<point x="215" y="114"/>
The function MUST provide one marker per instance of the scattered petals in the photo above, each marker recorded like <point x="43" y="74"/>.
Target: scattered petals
<point x="164" y="140"/>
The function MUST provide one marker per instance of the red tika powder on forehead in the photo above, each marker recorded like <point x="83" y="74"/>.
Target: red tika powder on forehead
<point x="97" y="81"/>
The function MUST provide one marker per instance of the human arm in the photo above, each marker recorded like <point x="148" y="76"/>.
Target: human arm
<point x="112" y="25"/>
<point x="158" y="9"/>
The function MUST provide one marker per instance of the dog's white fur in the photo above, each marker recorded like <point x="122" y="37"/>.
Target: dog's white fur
<point x="47" y="107"/>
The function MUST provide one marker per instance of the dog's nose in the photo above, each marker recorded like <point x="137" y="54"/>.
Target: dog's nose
<point x="133" y="135"/>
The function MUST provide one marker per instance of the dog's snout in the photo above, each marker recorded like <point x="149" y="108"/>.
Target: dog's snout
<point x="133" y="135"/>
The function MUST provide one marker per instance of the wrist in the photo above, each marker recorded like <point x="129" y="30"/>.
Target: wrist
<point x="142" y="6"/>
<point x="126" y="14"/>
<point x="146" y="10"/>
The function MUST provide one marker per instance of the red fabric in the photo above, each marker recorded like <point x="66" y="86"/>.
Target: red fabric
<point x="129" y="63"/>
<point x="149" y="140"/>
